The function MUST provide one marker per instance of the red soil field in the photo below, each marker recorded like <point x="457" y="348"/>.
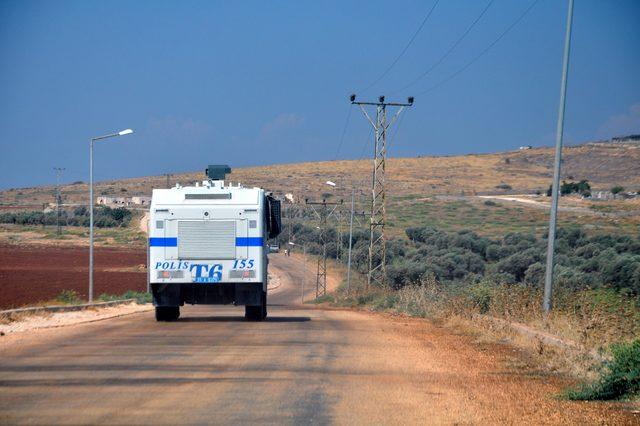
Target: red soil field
<point x="31" y="274"/>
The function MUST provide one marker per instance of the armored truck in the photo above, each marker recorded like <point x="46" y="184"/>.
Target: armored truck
<point x="208" y="245"/>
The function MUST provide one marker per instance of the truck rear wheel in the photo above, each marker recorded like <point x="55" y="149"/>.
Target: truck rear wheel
<point x="167" y="313"/>
<point x="257" y="312"/>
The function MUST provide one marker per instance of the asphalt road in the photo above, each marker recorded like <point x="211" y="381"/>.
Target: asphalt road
<point x="302" y="366"/>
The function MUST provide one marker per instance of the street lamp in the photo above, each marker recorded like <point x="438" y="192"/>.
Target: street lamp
<point x="353" y="194"/>
<point x="112" y="135"/>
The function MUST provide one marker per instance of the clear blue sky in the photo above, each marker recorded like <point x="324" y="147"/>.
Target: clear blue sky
<point x="255" y="82"/>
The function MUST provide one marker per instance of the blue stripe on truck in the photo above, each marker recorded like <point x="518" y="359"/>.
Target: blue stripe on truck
<point x="163" y="242"/>
<point x="249" y="242"/>
<point x="173" y="242"/>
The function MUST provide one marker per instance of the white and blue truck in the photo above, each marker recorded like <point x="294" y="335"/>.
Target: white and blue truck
<point x="208" y="245"/>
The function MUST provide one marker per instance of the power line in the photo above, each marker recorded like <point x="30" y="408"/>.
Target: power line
<point x="451" y="49"/>
<point x="366" y="145"/>
<point x="344" y="131"/>
<point x="406" y="47"/>
<point x="483" y="52"/>
<point x="397" y="129"/>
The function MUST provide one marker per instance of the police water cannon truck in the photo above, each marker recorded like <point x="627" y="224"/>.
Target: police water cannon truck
<point x="208" y="245"/>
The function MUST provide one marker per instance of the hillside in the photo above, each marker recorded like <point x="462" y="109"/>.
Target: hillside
<point x="604" y="165"/>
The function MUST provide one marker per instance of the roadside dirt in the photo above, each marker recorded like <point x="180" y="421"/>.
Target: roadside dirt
<point x="28" y="322"/>
<point x="30" y="274"/>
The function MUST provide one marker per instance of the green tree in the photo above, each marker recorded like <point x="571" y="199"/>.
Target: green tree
<point x="617" y="189"/>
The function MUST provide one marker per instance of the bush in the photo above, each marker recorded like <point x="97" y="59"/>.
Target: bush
<point x="141" y="298"/>
<point x="480" y="297"/>
<point x="504" y="186"/>
<point x="534" y="275"/>
<point x="581" y="187"/>
<point x="105" y="217"/>
<point x="623" y="272"/>
<point x="617" y="189"/>
<point x="518" y="263"/>
<point x="69" y="297"/>
<point x="619" y="378"/>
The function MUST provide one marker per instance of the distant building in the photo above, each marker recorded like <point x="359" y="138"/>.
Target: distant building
<point x="608" y="195"/>
<point x="105" y="201"/>
<point x="123" y="201"/>
<point x="141" y="201"/>
<point x="523" y="147"/>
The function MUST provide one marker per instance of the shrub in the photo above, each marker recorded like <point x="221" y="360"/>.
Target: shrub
<point x="581" y="187"/>
<point x="618" y="378"/>
<point x="588" y="251"/>
<point x="480" y="297"/>
<point x="534" y="275"/>
<point x="617" y="189"/>
<point x="492" y="252"/>
<point x="518" y="263"/>
<point x="622" y="272"/>
<point x="574" y="236"/>
<point x="141" y="298"/>
<point x="69" y="297"/>
<point x="105" y="222"/>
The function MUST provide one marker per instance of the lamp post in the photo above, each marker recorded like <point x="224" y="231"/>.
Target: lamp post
<point x="353" y="194"/>
<point x="555" y="189"/>
<point x="112" y="135"/>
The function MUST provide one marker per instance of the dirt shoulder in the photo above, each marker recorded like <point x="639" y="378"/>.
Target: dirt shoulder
<point x="11" y="330"/>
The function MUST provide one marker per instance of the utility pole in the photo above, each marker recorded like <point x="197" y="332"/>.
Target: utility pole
<point x="304" y="271"/>
<point x="353" y="196"/>
<point x="59" y="171"/>
<point x="168" y="175"/>
<point x="323" y="214"/>
<point x="555" y="191"/>
<point x="377" y="249"/>
<point x="338" y="214"/>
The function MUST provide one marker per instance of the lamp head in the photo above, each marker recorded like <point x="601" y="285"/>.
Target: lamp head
<point x="125" y="132"/>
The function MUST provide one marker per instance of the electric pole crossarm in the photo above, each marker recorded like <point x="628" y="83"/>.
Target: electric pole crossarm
<point x="395" y="104"/>
<point x="364" y="111"/>
<point x="395" y="117"/>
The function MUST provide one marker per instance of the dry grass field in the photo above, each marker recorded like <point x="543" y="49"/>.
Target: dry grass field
<point x="604" y="165"/>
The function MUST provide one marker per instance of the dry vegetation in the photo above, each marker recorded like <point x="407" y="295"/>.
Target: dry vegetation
<point x="603" y="165"/>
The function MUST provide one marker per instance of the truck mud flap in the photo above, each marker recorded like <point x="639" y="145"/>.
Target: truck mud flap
<point x="207" y="294"/>
<point x="248" y="294"/>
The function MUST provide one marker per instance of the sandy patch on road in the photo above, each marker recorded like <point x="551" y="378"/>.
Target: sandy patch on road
<point x="59" y="319"/>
